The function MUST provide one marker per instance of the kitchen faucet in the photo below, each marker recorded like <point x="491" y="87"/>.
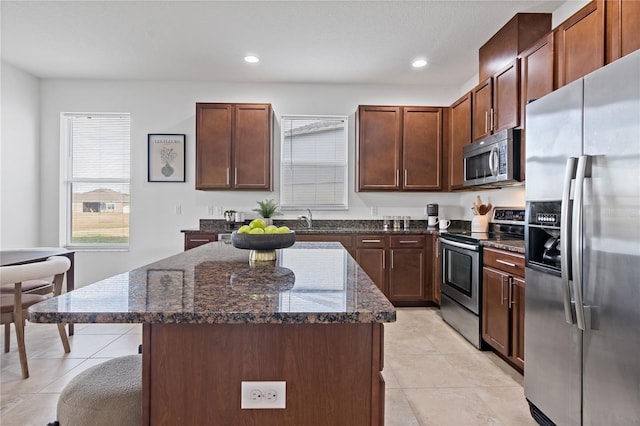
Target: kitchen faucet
<point x="308" y="218"/>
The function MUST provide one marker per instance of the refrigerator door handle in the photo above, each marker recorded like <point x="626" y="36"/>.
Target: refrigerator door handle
<point x="576" y="239"/>
<point x="565" y="258"/>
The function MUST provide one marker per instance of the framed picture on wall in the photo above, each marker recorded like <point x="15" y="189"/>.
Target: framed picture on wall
<point x="166" y="157"/>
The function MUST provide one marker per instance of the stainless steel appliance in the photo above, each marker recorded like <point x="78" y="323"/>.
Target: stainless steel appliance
<point x="461" y="279"/>
<point x="493" y="161"/>
<point x="582" y="321"/>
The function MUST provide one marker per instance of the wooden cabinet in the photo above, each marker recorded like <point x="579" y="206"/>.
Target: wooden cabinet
<point x="579" y="43"/>
<point x="399" y="148"/>
<point x="406" y="268"/>
<point x="496" y="102"/>
<point x="195" y="239"/>
<point x="371" y="256"/>
<point x="503" y="289"/>
<point x="536" y="71"/>
<point x="400" y="266"/>
<point x="460" y="135"/>
<point x="233" y="146"/>
<point x="514" y="37"/>
<point x="436" y="268"/>
<point x="345" y="239"/>
<point x="622" y="28"/>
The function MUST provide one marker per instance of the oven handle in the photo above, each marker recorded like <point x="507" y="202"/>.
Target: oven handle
<point x="459" y="245"/>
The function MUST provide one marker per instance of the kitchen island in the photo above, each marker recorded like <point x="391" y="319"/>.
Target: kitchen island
<point x="312" y="319"/>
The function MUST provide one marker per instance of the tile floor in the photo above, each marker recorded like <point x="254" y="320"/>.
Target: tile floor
<point x="433" y="376"/>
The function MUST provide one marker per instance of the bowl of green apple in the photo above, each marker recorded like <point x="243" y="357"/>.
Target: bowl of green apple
<point x="258" y="236"/>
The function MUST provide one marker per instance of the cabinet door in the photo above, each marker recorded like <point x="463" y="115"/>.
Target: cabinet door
<point x="421" y="148"/>
<point x="252" y="147"/>
<point x="378" y="148"/>
<point x="481" y="109"/>
<point x="580" y="43"/>
<point x="406" y="274"/>
<point x="460" y="126"/>
<point x="372" y="261"/>
<point x="517" y="321"/>
<point x="506" y="105"/>
<point x="213" y="145"/>
<point x="623" y="28"/>
<point x="536" y="70"/>
<point x="495" y="309"/>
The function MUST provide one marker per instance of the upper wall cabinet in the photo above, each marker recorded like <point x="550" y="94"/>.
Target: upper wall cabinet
<point x="536" y="72"/>
<point x="515" y="36"/>
<point x="622" y="28"/>
<point x="233" y="146"/>
<point x="460" y="128"/>
<point x="399" y="148"/>
<point x="496" y="104"/>
<point x="579" y="43"/>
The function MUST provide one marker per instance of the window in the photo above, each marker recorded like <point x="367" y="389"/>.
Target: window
<point x="95" y="196"/>
<point x="314" y="162"/>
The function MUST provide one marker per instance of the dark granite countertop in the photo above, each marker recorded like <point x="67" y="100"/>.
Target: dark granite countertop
<point x="214" y="283"/>
<point x="516" y="246"/>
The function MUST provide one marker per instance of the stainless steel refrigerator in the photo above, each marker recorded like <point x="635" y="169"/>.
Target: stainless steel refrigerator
<point x="582" y="300"/>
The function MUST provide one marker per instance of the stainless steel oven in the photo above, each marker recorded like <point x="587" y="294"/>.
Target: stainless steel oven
<point x="460" y="287"/>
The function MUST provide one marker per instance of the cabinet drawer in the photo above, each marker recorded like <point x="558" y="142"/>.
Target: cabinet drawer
<point x="195" y="239"/>
<point x="406" y="241"/>
<point x="509" y="262"/>
<point x="370" y="241"/>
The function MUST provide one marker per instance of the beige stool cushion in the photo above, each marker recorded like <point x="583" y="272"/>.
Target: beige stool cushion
<point x="108" y="394"/>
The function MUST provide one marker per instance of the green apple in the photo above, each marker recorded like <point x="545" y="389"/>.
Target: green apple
<point x="257" y="223"/>
<point x="244" y="229"/>
<point x="257" y="231"/>
<point x="283" y="230"/>
<point x="271" y="229"/>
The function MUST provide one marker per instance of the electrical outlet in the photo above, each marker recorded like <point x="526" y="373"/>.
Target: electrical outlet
<point x="178" y="209"/>
<point x="374" y="211"/>
<point x="263" y="395"/>
<point x="210" y="210"/>
<point x="218" y="210"/>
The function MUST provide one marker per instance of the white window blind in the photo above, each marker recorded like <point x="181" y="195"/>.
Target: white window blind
<point x="314" y="162"/>
<point x="96" y="184"/>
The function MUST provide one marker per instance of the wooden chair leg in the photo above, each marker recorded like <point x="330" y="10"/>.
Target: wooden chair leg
<point x="64" y="338"/>
<point x="7" y="335"/>
<point x="21" y="348"/>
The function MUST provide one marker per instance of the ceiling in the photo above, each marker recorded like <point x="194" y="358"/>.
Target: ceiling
<point x="338" y="42"/>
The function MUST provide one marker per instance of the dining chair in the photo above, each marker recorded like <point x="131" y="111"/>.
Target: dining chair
<point x="14" y="307"/>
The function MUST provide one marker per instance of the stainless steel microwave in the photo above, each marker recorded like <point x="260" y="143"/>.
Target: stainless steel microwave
<point x="493" y="161"/>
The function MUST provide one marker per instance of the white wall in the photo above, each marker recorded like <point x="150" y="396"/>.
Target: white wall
<point x="19" y="154"/>
<point x="158" y="107"/>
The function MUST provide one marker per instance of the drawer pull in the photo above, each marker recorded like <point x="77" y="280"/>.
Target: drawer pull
<point x="408" y="242"/>
<point x="504" y="262"/>
<point x="371" y="241"/>
<point x="195" y="240"/>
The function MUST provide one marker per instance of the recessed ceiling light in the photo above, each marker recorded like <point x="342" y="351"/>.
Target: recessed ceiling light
<point x="419" y="63"/>
<point x="251" y="59"/>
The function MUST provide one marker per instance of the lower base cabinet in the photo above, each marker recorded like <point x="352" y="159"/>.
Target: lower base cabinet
<point x="503" y="288"/>
<point x="195" y="239"/>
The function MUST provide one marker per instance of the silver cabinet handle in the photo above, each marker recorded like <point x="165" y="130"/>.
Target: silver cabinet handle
<point x="371" y="241"/>
<point x="235" y="175"/>
<point x="565" y="252"/>
<point x="502" y="277"/>
<point x="486" y="121"/>
<point x="511" y="302"/>
<point x="397" y="177"/>
<point x="228" y="175"/>
<point x="195" y="240"/>
<point x="576" y="243"/>
<point x="384" y="260"/>
<point x="504" y="262"/>
<point x="492" y="121"/>
<point x="406" y="176"/>
<point x="408" y="242"/>
<point x="391" y="259"/>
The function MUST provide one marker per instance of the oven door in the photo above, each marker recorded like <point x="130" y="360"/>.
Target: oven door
<point x="461" y="273"/>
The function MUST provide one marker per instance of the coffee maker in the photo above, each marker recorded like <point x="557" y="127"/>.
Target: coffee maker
<point x="432" y="214"/>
